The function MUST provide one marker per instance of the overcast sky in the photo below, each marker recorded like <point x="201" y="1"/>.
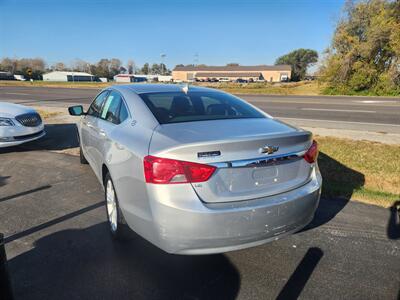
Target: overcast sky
<point x="219" y="31"/>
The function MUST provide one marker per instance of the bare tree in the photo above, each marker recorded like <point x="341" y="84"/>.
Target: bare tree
<point x="80" y="65"/>
<point x="8" y="65"/>
<point x="59" y="66"/>
<point x="115" y="66"/>
<point x="131" y="66"/>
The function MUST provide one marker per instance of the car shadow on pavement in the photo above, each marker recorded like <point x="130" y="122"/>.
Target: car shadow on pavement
<point x="3" y="180"/>
<point x="87" y="264"/>
<point x="300" y="276"/>
<point x="393" y="227"/>
<point x="58" y="137"/>
<point x="24" y="193"/>
<point x="339" y="183"/>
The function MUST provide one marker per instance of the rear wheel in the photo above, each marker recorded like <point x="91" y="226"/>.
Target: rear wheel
<point x="118" y="227"/>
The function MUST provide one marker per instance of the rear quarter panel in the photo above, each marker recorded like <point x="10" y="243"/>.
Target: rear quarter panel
<point x="123" y="154"/>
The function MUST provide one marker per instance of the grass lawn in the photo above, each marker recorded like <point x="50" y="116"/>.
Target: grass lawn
<point x="305" y="88"/>
<point x="97" y="85"/>
<point x="45" y="114"/>
<point x="290" y="88"/>
<point x="360" y="170"/>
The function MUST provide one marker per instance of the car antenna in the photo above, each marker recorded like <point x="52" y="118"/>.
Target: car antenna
<point x="185" y="88"/>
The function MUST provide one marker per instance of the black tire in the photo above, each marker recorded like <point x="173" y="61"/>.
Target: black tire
<point x="82" y="157"/>
<point x="122" y="231"/>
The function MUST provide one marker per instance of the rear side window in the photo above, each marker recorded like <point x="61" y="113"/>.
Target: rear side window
<point x="197" y="106"/>
<point x="114" y="109"/>
<point x="123" y="112"/>
<point x="96" y="106"/>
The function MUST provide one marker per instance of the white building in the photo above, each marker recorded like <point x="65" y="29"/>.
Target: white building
<point x="68" y="76"/>
<point x="141" y="78"/>
<point x="19" y="77"/>
<point x="132" y="78"/>
<point x="6" y="76"/>
<point x="165" y="78"/>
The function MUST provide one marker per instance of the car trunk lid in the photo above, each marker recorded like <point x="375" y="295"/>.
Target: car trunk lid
<point x="236" y="147"/>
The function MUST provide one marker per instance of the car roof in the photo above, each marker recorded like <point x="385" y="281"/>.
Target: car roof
<point x="159" y="88"/>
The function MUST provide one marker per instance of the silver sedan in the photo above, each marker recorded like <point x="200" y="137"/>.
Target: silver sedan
<point x="196" y="170"/>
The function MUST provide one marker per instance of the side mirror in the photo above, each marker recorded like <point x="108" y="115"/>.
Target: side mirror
<point x="76" y="110"/>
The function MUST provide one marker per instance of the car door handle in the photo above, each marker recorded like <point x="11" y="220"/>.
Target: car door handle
<point x="119" y="146"/>
<point x="102" y="133"/>
<point x="88" y="124"/>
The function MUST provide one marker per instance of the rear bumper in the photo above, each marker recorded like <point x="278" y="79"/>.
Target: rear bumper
<point x="185" y="225"/>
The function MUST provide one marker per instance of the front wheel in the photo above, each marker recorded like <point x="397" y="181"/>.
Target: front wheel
<point x="118" y="227"/>
<point x="82" y="157"/>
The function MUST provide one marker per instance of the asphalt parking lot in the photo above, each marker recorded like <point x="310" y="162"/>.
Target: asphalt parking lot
<point x="58" y="246"/>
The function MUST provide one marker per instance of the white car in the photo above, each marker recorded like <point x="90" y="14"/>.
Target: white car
<point x="19" y="124"/>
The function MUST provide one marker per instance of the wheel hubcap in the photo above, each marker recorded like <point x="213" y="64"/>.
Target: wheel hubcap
<point x="111" y="205"/>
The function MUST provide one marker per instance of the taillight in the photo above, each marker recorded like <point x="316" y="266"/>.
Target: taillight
<point x="312" y="153"/>
<point x="166" y="171"/>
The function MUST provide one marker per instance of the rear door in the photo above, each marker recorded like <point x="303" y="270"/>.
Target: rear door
<point x="88" y="123"/>
<point x="114" y="112"/>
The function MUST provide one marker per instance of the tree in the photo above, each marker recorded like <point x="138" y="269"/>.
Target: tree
<point x="8" y="65"/>
<point x="80" y="65"/>
<point x="364" y="54"/>
<point x="155" y="69"/>
<point x="21" y="66"/>
<point x="122" y="70"/>
<point x="163" y="69"/>
<point x="59" y="66"/>
<point x="300" y="60"/>
<point x="102" y="68"/>
<point x="131" y="67"/>
<point x="146" y="69"/>
<point x="232" y="65"/>
<point x="115" y="67"/>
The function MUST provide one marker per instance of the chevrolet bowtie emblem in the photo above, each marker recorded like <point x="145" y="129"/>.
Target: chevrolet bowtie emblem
<point x="269" y="149"/>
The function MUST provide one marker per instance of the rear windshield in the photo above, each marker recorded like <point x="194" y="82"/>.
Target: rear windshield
<point x="178" y="107"/>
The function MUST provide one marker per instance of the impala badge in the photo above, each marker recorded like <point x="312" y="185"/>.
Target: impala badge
<point x="269" y="149"/>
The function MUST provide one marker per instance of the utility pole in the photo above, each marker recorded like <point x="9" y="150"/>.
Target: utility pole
<point x="91" y="75"/>
<point x="163" y="55"/>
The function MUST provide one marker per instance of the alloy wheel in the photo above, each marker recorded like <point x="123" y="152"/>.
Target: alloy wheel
<point x="111" y="205"/>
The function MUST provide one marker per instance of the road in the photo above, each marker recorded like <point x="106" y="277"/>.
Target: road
<point x="356" y="113"/>
<point x="58" y="245"/>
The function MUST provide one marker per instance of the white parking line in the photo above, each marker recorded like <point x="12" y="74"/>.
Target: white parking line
<point x="374" y="101"/>
<point x="340" y="110"/>
<point x="21" y="94"/>
<point x="331" y="121"/>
